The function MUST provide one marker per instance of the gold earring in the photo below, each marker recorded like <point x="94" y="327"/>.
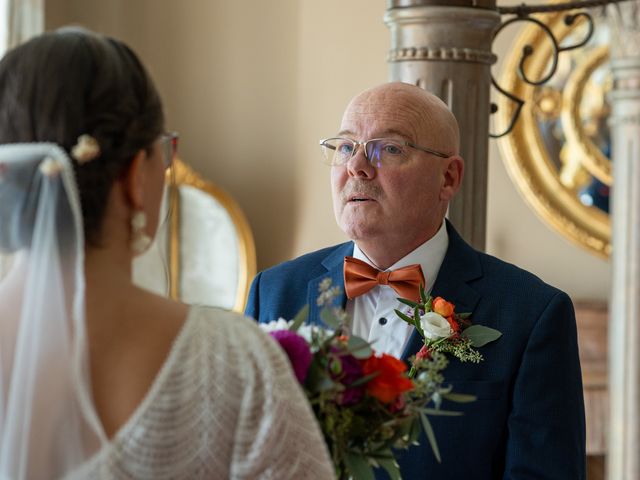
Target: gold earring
<point x="140" y="241"/>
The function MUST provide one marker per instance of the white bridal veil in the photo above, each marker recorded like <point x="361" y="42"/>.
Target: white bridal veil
<point x="48" y="423"/>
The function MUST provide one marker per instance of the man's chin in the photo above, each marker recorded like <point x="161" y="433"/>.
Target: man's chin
<point x="359" y="231"/>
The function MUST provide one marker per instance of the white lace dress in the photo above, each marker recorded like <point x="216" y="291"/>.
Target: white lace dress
<point x="224" y="405"/>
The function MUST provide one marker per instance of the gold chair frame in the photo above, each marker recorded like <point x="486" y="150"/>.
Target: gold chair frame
<point x="180" y="175"/>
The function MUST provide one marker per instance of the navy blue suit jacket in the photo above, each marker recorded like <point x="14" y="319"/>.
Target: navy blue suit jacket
<point x="528" y="419"/>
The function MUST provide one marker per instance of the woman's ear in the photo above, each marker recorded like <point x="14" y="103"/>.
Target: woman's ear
<point x="135" y="180"/>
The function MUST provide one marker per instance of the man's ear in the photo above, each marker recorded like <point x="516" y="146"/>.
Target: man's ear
<point x="135" y="180"/>
<point x="453" y="173"/>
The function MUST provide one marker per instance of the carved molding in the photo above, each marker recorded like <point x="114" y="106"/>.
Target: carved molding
<point x="626" y="120"/>
<point x="451" y="54"/>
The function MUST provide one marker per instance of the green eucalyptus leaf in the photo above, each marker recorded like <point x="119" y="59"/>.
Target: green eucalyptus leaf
<point x="431" y="436"/>
<point x="317" y="378"/>
<point x="459" y="397"/>
<point x="391" y="466"/>
<point x="326" y="384"/>
<point x="363" y="380"/>
<point x="440" y="413"/>
<point x="479" y="335"/>
<point x="359" y="347"/>
<point x="299" y="319"/>
<point x="358" y="466"/>
<point x="329" y="318"/>
<point x="414" y="431"/>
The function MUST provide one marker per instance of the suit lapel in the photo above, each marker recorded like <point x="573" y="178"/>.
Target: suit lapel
<point x="333" y="264"/>
<point x="460" y="265"/>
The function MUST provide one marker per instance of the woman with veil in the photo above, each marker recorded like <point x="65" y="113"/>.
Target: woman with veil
<point x="98" y="378"/>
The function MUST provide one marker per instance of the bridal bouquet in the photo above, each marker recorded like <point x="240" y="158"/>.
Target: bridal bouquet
<point x="366" y="404"/>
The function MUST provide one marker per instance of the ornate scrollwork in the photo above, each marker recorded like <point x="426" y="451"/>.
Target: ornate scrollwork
<point x="557" y="152"/>
<point x="528" y="50"/>
<point x="523" y="14"/>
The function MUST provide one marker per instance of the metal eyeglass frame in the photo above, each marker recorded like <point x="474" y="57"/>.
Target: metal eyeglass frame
<point x="364" y="147"/>
<point x="169" y="147"/>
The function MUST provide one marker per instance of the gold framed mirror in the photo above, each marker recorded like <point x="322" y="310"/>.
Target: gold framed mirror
<point x="558" y="151"/>
<point x="204" y="252"/>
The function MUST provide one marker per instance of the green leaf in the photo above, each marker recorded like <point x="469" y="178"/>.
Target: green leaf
<point x="459" y="397"/>
<point x="416" y="322"/>
<point x="363" y="380"/>
<point x="414" y="431"/>
<point x="431" y="436"/>
<point x="404" y="317"/>
<point x="416" y="317"/>
<point x="423" y="294"/>
<point x="358" y="466"/>
<point x="428" y="306"/>
<point x="330" y="319"/>
<point x="411" y="303"/>
<point x="317" y="379"/>
<point x="391" y="466"/>
<point x="299" y="319"/>
<point x="463" y="316"/>
<point x="359" y="347"/>
<point x="440" y="413"/>
<point x="479" y="335"/>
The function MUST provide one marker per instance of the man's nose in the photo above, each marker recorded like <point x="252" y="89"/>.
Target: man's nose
<point x="359" y="166"/>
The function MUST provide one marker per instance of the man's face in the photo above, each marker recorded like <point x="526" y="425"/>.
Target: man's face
<point x="396" y="206"/>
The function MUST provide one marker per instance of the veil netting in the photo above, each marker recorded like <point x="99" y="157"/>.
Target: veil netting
<point x="48" y="422"/>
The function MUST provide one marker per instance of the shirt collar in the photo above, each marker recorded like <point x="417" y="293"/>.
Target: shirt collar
<point x="429" y="256"/>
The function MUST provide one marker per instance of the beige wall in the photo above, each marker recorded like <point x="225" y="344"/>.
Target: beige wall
<point x="252" y="86"/>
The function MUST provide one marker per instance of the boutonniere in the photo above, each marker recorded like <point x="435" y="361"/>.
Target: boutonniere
<point x="444" y="330"/>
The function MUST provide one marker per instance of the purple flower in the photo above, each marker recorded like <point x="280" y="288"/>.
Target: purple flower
<point x="297" y="349"/>
<point x="350" y="370"/>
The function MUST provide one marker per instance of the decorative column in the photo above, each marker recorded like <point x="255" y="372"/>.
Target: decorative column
<point x="623" y="460"/>
<point x="445" y="48"/>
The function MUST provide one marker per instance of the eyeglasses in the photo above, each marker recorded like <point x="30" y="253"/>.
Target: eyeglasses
<point x="169" y="145"/>
<point x="378" y="151"/>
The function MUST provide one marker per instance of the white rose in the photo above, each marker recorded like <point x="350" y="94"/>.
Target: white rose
<point x="435" y="326"/>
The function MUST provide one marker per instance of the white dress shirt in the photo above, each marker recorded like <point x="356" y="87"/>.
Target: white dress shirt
<point x="373" y="316"/>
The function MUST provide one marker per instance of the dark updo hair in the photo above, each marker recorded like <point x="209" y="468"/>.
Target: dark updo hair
<point x="71" y="82"/>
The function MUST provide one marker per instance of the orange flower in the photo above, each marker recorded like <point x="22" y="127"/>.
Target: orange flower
<point x="390" y="382"/>
<point x="442" y="307"/>
<point x="455" y="326"/>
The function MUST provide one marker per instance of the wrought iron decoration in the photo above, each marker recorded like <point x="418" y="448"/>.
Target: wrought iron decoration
<point x="523" y="14"/>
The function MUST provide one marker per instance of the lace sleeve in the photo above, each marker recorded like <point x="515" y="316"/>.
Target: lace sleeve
<point x="277" y="435"/>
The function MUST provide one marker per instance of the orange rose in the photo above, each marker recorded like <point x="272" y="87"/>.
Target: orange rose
<point x="442" y="307"/>
<point x="455" y="326"/>
<point x="390" y="381"/>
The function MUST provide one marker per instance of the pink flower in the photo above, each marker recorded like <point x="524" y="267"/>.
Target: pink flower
<point x="298" y="351"/>
<point x="423" y="353"/>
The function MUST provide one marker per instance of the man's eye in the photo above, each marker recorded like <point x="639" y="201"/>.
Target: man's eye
<point x="392" y="149"/>
<point x="344" y="148"/>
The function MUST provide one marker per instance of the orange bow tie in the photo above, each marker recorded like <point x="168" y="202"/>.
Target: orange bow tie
<point x="360" y="277"/>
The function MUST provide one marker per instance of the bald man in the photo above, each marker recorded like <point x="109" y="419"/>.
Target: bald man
<point x="395" y="165"/>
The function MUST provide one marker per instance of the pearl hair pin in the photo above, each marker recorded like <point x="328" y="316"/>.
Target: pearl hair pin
<point x="86" y="149"/>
